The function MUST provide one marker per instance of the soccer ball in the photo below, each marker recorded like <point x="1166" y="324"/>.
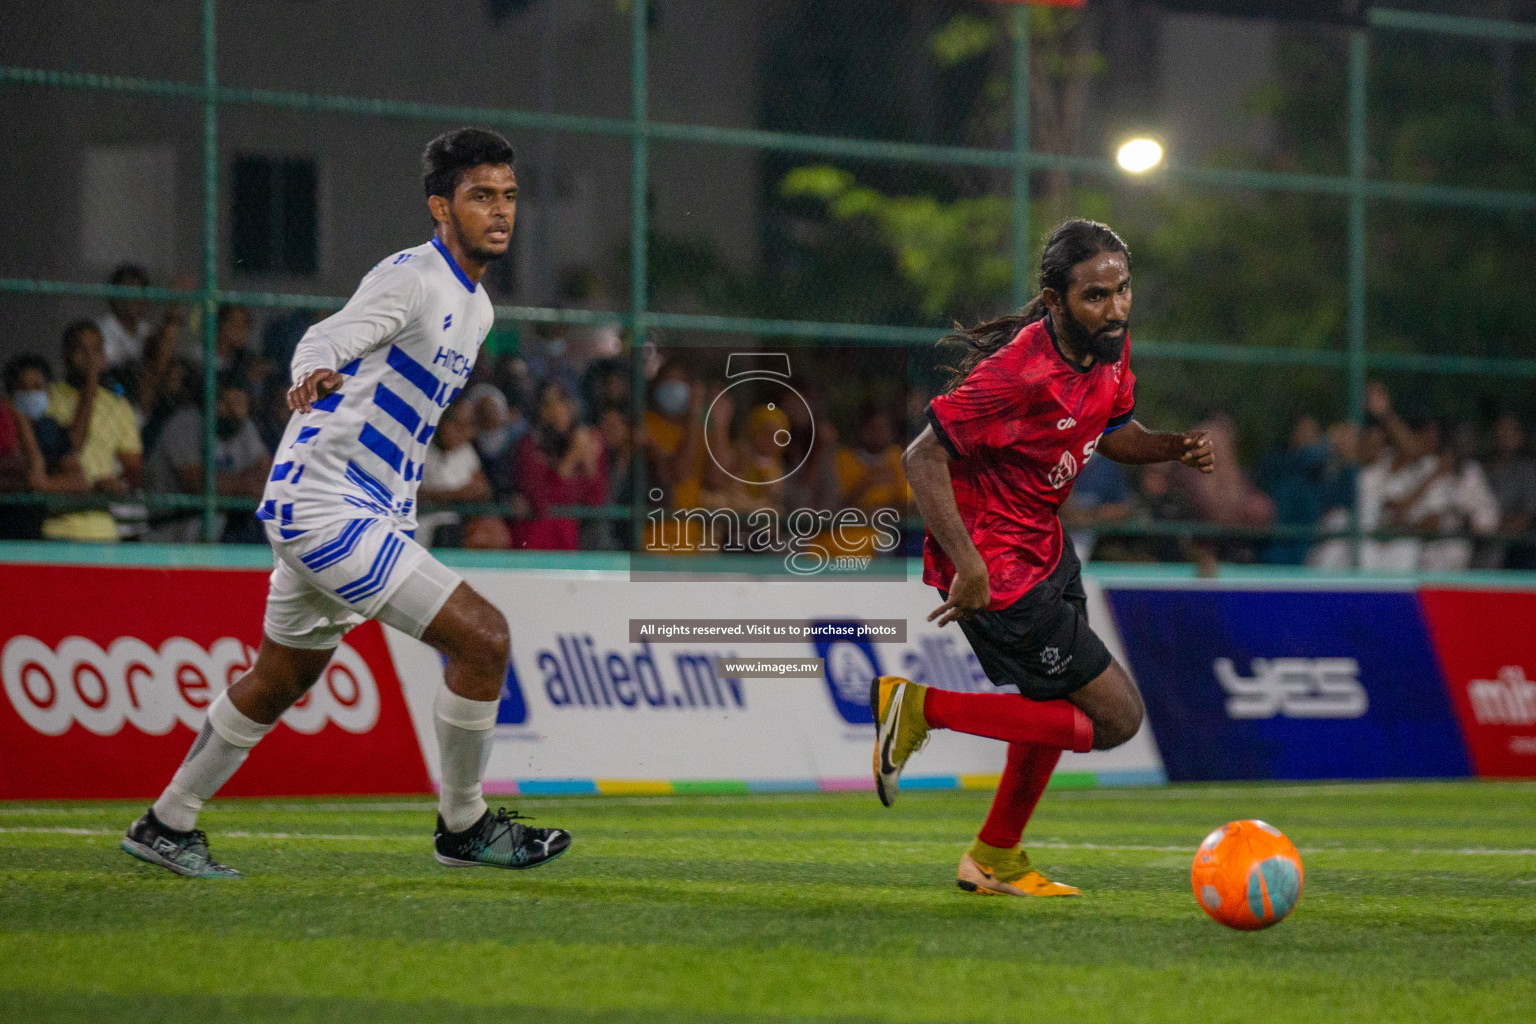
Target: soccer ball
<point x="1247" y="875"/>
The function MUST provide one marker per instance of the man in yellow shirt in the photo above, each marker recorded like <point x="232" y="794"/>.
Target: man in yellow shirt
<point x="102" y="429"/>
<point x="871" y="477"/>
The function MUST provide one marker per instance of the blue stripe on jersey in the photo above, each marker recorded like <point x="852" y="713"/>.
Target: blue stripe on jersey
<point x="268" y="509"/>
<point x="397" y="407"/>
<point x="328" y="554"/>
<point x="453" y="265"/>
<point x="378" y="574"/>
<point x="426" y="433"/>
<point x="290" y="534"/>
<point x="370" y="484"/>
<point x="287" y="516"/>
<point x="297" y="475"/>
<point x="305" y="433"/>
<point x="281" y="470"/>
<point x="351" y="368"/>
<point x="425" y="380"/>
<point x="366" y="506"/>
<point x="327" y="404"/>
<point x="381" y="446"/>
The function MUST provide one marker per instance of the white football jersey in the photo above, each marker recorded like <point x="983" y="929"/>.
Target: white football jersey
<point x="406" y="342"/>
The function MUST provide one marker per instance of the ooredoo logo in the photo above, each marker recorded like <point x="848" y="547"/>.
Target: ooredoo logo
<point x="131" y="683"/>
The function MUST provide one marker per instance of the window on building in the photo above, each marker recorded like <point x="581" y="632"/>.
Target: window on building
<point x="276" y="215"/>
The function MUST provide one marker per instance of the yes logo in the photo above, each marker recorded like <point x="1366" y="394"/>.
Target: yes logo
<point x="1294" y="688"/>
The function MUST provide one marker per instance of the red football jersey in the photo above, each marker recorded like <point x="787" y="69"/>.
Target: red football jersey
<point x="1019" y="430"/>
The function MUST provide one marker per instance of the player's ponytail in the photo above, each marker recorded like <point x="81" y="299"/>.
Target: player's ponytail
<point x="1071" y="243"/>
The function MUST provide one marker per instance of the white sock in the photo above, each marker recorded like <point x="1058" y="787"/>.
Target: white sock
<point x="222" y="747"/>
<point x="465" y="729"/>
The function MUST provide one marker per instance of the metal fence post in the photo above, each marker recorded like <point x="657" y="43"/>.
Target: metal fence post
<point x="639" y="220"/>
<point x="1355" y="365"/>
<point x="210" y="263"/>
<point x="1021" y="162"/>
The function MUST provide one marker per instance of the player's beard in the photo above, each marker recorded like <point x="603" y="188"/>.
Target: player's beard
<point x="473" y="251"/>
<point x="1104" y="345"/>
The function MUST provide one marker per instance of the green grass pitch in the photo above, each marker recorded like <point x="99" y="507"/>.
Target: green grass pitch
<point x="1420" y="904"/>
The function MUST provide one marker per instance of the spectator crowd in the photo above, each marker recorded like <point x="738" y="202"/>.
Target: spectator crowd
<point x="541" y="451"/>
<point x="1424" y="496"/>
<point x="546" y="430"/>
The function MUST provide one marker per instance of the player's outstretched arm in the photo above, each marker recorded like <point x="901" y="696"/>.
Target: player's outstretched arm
<point x="1135" y="445"/>
<point x="927" y="467"/>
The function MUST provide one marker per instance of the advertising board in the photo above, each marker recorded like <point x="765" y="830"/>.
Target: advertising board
<point x="108" y="672"/>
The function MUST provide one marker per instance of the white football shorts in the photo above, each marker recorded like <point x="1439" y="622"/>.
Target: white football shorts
<point x="330" y="579"/>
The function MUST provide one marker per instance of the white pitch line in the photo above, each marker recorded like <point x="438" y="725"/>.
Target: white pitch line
<point x="1258" y="790"/>
<point x="285" y="808"/>
<point x="1038" y="845"/>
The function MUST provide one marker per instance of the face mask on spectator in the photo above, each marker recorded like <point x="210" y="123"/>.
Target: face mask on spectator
<point x="226" y="427"/>
<point x="672" y="397"/>
<point x="31" y="404"/>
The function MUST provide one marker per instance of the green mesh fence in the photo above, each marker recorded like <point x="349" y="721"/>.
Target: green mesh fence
<point x="1351" y="193"/>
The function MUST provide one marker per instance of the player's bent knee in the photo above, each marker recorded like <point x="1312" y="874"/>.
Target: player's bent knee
<point x="486" y="645"/>
<point x="495" y="638"/>
<point x="1111" y="730"/>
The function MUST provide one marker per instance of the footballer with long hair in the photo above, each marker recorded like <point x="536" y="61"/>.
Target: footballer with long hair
<point x="1033" y="398"/>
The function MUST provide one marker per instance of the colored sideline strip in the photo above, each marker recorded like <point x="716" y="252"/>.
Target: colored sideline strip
<point x="738" y="787"/>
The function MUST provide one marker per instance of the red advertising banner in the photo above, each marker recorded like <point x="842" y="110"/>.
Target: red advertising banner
<point x="1486" y="642"/>
<point x="108" y="673"/>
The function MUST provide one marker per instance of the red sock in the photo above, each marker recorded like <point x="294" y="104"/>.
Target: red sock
<point x="1009" y="717"/>
<point x="1028" y="770"/>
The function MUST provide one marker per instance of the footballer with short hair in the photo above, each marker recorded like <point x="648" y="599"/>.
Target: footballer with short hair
<point x="1036" y="395"/>
<point x="369" y="386"/>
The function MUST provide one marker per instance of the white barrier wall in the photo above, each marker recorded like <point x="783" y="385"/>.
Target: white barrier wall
<point x="587" y="710"/>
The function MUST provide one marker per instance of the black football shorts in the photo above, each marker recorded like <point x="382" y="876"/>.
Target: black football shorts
<point x="1041" y="643"/>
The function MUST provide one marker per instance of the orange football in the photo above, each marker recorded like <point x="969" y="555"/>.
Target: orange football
<point x="1247" y="875"/>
